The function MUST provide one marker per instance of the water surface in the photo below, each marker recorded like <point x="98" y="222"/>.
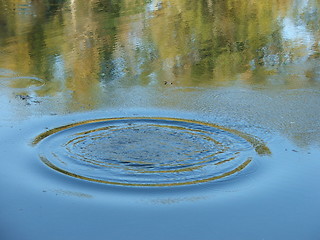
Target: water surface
<point x="150" y="119"/>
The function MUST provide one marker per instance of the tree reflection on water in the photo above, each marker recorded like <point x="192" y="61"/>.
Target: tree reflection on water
<point x="141" y="42"/>
<point x="85" y="50"/>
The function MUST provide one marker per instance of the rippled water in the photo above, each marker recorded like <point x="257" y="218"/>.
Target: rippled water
<point x="147" y="151"/>
<point x="159" y="119"/>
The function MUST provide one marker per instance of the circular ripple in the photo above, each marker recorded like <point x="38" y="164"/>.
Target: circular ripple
<point x="147" y="151"/>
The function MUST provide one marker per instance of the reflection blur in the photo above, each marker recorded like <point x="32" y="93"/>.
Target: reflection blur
<point x="91" y="54"/>
<point x="240" y="67"/>
<point x="188" y="43"/>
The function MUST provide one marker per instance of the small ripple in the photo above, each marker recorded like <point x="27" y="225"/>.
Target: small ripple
<point x="22" y="83"/>
<point x="148" y="151"/>
<point x="6" y="72"/>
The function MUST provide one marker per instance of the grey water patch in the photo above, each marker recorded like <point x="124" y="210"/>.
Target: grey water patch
<point x="71" y="193"/>
<point x="148" y="151"/>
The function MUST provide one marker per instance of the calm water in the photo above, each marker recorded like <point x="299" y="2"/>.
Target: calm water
<point x="150" y="119"/>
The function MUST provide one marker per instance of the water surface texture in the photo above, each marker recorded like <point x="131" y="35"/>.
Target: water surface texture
<point x="147" y="151"/>
<point x="159" y="119"/>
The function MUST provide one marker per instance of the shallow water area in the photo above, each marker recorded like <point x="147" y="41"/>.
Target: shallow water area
<point x="159" y="119"/>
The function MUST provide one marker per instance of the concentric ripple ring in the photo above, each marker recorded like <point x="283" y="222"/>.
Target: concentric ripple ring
<point x="146" y="151"/>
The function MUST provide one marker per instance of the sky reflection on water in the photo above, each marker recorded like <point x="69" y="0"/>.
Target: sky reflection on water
<point x="250" y="66"/>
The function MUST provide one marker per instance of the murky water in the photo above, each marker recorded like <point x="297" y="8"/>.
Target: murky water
<point x="150" y="119"/>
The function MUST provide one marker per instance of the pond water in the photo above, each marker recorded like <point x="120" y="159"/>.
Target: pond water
<point x="150" y="119"/>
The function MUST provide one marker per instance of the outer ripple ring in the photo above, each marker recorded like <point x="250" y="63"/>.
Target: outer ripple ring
<point x="146" y="151"/>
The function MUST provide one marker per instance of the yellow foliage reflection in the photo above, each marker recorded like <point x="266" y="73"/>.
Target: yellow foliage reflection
<point x="77" y="46"/>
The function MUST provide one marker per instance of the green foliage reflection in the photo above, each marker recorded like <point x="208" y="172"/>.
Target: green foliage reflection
<point x="77" y="45"/>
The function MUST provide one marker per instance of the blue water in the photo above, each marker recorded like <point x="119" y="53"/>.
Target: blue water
<point x="159" y="120"/>
<point x="277" y="192"/>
